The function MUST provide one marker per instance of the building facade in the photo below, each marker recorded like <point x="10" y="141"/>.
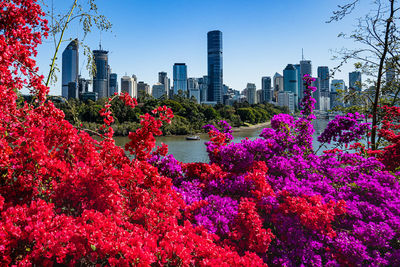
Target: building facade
<point x="305" y="68"/>
<point x="266" y="88"/>
<point x="251" y="91"/>
<point x="290" y="82"/>
<point x="355" y="80"/>
<point x="214" y="62"/>
<point x="180" y="78"/>
<point x="113" y="84"/>
<point x="129" y="85"/>
<point x="101" y="76"/>
<point x="70" y="66"/>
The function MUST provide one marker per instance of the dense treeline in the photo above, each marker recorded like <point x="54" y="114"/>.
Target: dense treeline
<point x="189" y="116"/>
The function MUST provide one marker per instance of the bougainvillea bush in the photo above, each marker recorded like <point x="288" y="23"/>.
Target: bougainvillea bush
<point x="68" y="199"/>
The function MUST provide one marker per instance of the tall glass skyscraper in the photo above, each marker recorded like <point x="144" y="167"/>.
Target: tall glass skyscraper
<point x="113" y="84"/>
<point x="100" y="79"/>
<point x="305" y="68"/>
<point x="70" y="66"/>
<point x="266" y="89"/>
<point x="180" y="78"/>
<point x="290" y="82"/>
<point x="323" y="75"/>
<point x="355" y="80"/>
<point x="215" y="74"/>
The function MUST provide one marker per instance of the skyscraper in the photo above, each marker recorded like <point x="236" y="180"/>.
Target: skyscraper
<point x="128" y="85"/>
<point x="323" y="86"/>
<point x="266" y="89"/>
<point x="70" y="66"/>
<point x="194" y="89"/>
<point x="305" y="68"/>
<point x="251" y="93"/>
<point x="163" y="79"/>
<point x="355" y="80"/>
<point x="290" y="82"/>
<point x="113" y="84"/>
<point x="215" y="73"/>
<point x="180" y="78"/>
<point x="100" y="78"/>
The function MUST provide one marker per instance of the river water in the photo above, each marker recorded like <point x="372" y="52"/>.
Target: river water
<point x="195" y="151"/>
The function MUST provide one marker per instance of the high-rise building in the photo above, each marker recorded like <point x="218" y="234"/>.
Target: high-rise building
<point x="299" y="79"/>
<point x="180" y="78"/>
<point x="290" y="82"/>
<point x="355" y="80"/>
<point x="73" y="90"/>
<point x="113" y="84"/>
<point x="129" y="85"/>
<point x="286" y="99"/>
<point x="278" y="86"/>
<point x="70" y="66"/>
<point x="337" y="85"/>
<point x="83" y="86"/>
<point x="317" y="94"/>
<point x="101" y="76"/>
<point x="163" y="79"/>
<point x="215" y="72"/>
<point x="194" y="89"/>
<point x="159" y="91"/>
<point x="323" y="75"/>
<point x="305" y="68"/>
<point x="323" y="87"/>
<point x="266" y="89"/>
<point x="143" y="89"/>
<point x="251" y="93"/>
<point x="203" y="86"/>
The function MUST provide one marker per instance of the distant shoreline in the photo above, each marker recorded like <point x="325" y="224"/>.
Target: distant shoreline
<point x="252" y="127"/>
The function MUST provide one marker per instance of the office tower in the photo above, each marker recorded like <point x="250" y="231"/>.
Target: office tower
<point x="299" y="79"/>
<point x="305" y="68"/>
<point x="163" y="79"/>
<point x="83" y="86"/>
<point x="214" y="60"/>
<point x="278" y="86"/>
<point x="266" y="89"/>
<point x="203" y="86"/>
<point x="128" y="85"/>
<point x="251" y="93"/>
<point x="286" y="99"/>
<point x="113" y="84"/>
<point x="70" y="66"/>
<point x="355" y="80"/>
<point x="290" y="82"/>
<point x="143" y="89"/>
<point x="316" y="94"/>
<point x="159" y="91"/>
<point x="323" y="87"/>
<point x="101" y="76"/>
<point x="323" y="75"/>
<point x="337" y="85"/>
<point x="73" y="90"/>
<point x="180" y="78"/>
<point x="194" y="89"/>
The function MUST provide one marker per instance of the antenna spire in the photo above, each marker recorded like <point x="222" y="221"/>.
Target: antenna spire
<point x="100" y="40"/>
<point x="302" y="54"/>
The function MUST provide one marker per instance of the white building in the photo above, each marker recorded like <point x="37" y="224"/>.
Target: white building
<point x="286" y="99"/>
<point x="129" y="85"/>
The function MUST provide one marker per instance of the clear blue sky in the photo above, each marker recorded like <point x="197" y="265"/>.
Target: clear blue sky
<point x="260" y="37"/>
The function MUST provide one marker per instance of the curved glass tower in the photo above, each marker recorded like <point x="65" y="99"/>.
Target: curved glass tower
<point x="215" y="81"/>
<point x="70" y="66"/>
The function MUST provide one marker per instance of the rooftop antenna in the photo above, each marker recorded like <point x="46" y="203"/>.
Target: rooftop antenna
<point x="100" y="40"/>
<point x="302" y="54"/>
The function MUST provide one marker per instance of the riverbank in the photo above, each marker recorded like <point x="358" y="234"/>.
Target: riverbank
<point x="252" y="127"/>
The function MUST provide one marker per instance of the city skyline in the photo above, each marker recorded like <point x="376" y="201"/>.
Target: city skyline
<point x="248" y="55"/>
